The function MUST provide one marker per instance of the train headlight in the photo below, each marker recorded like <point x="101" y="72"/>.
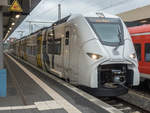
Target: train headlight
<point x="94" y="56"/>
<point x="133" y="56"/>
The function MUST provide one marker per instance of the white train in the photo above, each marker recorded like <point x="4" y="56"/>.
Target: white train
<point x="93" y="52"/>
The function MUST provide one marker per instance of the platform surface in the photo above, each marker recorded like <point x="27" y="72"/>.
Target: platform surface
<point x="26" y="95"/>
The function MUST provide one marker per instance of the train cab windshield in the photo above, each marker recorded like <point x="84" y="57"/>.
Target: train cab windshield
<point x="109" y="31"/>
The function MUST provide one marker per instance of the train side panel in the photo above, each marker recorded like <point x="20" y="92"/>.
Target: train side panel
<point x="142" y="45"/>
<point x="32" y="49"/>
<point x="73" y="58"/>
<point x="57" y="56"/>
<point x="39" y="50"/>
<point x="62" y="56"/>
<point x="141" y="39"/>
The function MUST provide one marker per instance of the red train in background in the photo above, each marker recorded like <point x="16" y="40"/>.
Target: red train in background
<point x="141" y="39"/>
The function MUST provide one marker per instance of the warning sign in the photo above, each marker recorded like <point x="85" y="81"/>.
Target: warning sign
<point x="15" y="6"/>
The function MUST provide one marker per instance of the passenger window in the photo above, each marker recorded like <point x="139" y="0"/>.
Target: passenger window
<point x="34" y="50"/>
<point x="54" y="46"/>
<point x="57" y="47"/>
<point x="138" y="51"/>
<point x="67" y="38"/>
<point x="50" y="46"/>
<point x="29" y="50"/>
<point x="147" y="52"/>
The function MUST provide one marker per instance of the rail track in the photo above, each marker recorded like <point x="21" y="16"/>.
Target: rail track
<point x="136" y="101"/>
<point x="122" y="105"/>
<point x="133" y="102"/>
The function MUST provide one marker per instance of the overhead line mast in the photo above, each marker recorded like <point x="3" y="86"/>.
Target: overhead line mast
<point x="59" y="11"/>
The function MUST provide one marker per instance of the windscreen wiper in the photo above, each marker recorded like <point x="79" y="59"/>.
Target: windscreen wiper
<point x="119" y="34"/>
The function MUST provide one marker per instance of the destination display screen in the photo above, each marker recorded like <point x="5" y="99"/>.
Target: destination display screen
<point x="103" y="20"/>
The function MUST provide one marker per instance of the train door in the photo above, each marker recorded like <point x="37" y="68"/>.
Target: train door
<point x="138" y="44"/>
<point x="138" y="49"/>
<point x="57" y="65"/>
<point x="25" y="54"/>
<point x="50" y="47"/>
<point x="39" y="47"/>
<point x="146" y="62"/>
<point x="46" y="61"/>
<point x="66" y="58"/>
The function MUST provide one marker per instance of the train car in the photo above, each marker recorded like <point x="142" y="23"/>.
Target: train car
<point x="141" y="39"/>
<point x="95" y="53"/>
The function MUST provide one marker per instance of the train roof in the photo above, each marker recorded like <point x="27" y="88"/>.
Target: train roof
<point x="139" y="29"/>
<point x="65" y="19"/>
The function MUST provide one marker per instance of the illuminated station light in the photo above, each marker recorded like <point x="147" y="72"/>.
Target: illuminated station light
<point x="13" y="24"/>
<point x="17" y="16"/>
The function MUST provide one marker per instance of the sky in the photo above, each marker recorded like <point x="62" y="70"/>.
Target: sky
<point x="46" y="11"/>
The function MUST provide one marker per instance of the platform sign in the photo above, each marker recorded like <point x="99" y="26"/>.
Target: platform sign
<point x="15" y="7"/>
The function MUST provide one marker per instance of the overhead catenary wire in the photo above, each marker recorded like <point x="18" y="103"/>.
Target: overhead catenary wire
<point x="89" y="7"/>
<point x="39" y="14"/>
<point x="115" y="4"/>
<point x="36" y="22"/>
<point x="47" y="11"/>
<point x="52" y="15"/>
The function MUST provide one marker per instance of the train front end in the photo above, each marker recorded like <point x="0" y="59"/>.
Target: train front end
<point x="112" y="64"/>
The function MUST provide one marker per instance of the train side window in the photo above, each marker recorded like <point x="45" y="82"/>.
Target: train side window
<point x="57" y="46"/>
<point x="50" y="46"/>
<point x="34" y="50"/>
<point x="147" y="52"/>
<point x="138" y="51"/>
<point x="67" y="38"/>
<point x="29" y="50"/>
<point x="54" y="46"/>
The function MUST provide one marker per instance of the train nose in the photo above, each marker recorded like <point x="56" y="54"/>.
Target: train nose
<point x="114" y="54"/>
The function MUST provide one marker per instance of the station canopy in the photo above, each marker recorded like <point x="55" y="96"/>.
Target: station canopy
<point x="10" y="22"/>
<point x="137" y="16"/>
<point x="133" y="12"/>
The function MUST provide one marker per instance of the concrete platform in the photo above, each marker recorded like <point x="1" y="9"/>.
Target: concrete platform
<point x="30" y="90"/>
